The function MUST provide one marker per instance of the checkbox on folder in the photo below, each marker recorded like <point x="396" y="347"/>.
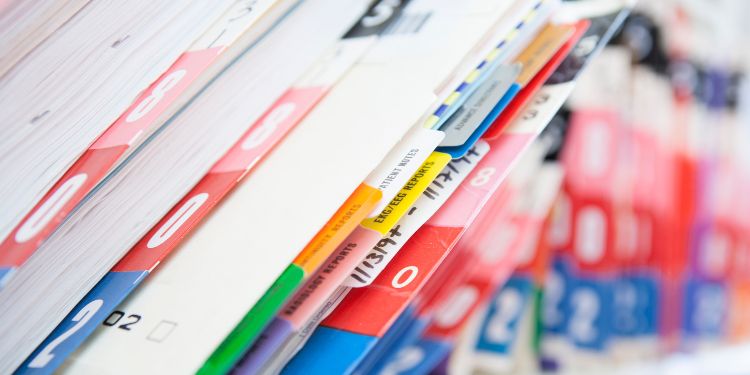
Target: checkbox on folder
<point x="161" y="331"/>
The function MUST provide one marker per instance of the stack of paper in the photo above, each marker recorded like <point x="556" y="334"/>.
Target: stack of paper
<point x="268" y="186"/>
<point x="192" y="69"/>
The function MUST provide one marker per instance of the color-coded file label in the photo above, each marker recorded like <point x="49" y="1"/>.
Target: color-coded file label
<point x="135" y="122"/>
<point x="306" y="304"/>
<point x="433" y="197"/>
<point x="257" y="141"/>
<point x="500" y="324"/>
<point x="479" y="106"/>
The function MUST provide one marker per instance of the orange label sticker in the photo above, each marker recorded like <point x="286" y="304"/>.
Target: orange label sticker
<point x="356" y="208"/>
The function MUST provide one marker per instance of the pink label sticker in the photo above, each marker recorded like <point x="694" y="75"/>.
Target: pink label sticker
<point x="157" y="98"/>
<point x="177" y="223"/>
<point x="288" y="110"/>
<point x="222" y="177"/>
<point x="330" y="276"/>
<point x="39" y="223"/>
<point x="590" y="159"/>
<point x="482" y="181"/>
<point x="457" y="309"/>
<point x="373" y="309"/>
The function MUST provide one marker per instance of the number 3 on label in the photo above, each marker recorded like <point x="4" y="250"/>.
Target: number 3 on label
<point x="81" y="318"/>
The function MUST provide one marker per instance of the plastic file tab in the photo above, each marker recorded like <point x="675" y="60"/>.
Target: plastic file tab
<point x="403" y="200"/>
<point x="355" y="209"/>
<point x="460" y="151"/>
<point x="530" y="17"/>
<point x="433" y="197"/>
<point x="286" y="332"/>
<point x="359" y="312"/>
<point x="540" y="77"/>
<point x="479" y="107"/>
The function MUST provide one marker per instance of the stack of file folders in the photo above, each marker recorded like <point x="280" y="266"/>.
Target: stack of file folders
<point x="267" y="186"/>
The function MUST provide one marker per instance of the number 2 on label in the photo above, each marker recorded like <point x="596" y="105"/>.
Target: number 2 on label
<point x="81" y="318"/>
<point x="585" y="311"/>
<point x="509" y="305"/>
<point x="554" y="286"/>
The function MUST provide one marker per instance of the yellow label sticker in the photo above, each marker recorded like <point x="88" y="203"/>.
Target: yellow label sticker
<point x="405" y="198"/>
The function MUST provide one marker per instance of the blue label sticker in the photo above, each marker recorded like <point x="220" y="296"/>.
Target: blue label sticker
<point x="5" y="273"/>
<point x="705" y="309"/>
<point x="555" y="295"/>
<point x="457" y="152"/>
<point x="404" y="332"/>
<point x="420" y="358"/>
<point x="589" y="309"/>
<point x="507" y="307"/>
<point x="81" y="322"/>
<point x="636" y="311"/>
<point x="330" y="351"/>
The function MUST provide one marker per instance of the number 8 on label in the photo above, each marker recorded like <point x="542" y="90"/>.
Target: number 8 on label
<point x="149" y="102"/>
<point x="483" y="176"/>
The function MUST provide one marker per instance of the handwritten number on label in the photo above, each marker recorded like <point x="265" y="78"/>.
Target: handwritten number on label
<point x="81" y="318"/>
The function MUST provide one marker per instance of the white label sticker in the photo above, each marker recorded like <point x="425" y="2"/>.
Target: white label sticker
<point x="401" y="163"/>
<point x="436" y="194"/>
